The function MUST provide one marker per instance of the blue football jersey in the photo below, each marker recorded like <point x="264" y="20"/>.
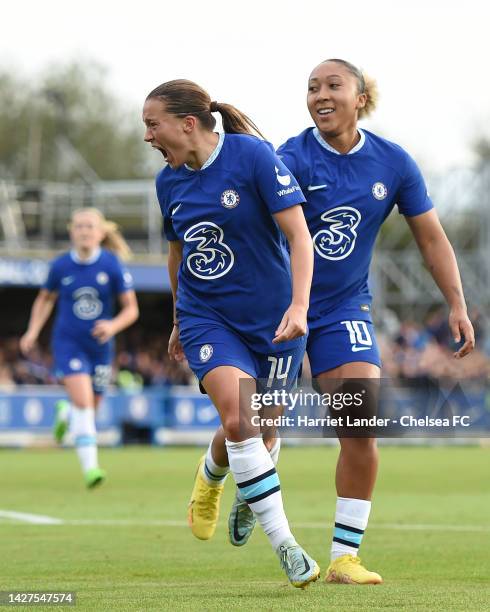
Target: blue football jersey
<point x="348" y="198"/>
<point x="86" y="292"/>
<point x="235" y="269"/>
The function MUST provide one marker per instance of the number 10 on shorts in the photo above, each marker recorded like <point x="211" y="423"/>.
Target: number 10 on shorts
<point x="359" y="335"/>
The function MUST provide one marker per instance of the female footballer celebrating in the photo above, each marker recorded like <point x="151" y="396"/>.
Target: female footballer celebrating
<point x="225" y="199"/>
<point x="352" y="180"/>
<point x="85" y="281"/>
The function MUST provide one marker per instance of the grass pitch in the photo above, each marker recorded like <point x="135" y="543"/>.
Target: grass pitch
<point x="125" y="546"/>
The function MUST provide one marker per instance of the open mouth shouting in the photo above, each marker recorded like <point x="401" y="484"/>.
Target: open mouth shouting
<point x="162" y="151"/>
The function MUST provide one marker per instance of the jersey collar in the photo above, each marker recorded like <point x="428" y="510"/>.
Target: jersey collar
<point x="325" y="145"/>
<point x="85" y="262"/>
<point x="213" y="155"/>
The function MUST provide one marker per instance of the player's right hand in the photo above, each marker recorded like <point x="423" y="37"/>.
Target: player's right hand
<point x="293" y="325"/>
<point x="27" y="343"/>
<point x="461" y="326"/>
<point x="175" y="349"/>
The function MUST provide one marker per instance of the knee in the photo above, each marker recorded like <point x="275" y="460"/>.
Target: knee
<point x="237" y="427"/>
<point x="232" y="424"/>
<point x="231" y="427"/>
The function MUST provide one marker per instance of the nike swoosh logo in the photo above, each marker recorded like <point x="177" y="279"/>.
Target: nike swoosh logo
<point x="176" y="209"/>
<point x="315" y="187"/>
<point x="356" y="349"/>
<point x="346" y="536"/>
<point x="236" y="533"/>
<point x="67" y="280"/>
<point x="307" y="566"/>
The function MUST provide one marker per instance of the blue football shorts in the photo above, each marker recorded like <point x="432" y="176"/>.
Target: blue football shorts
<point x="209" y="345"/>
<point x="334" y="344"/>
<point x="71" y="358"/>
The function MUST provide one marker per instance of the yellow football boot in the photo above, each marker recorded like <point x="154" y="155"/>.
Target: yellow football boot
<point x="347" y="569"/>
<point x="203" y="508"/>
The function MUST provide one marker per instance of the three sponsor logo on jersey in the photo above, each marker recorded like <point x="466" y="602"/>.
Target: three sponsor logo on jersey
<point x="337" y="240"/>
<point x="87" y="305"/>
<point x="211" y="257"/>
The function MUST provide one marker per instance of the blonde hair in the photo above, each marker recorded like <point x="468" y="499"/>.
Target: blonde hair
<point x="365" y="85"/>
<point x="372" y="96"/>
<point x="113" y="239"/>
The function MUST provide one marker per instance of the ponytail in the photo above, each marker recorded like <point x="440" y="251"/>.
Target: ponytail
<point x="114" y="240"/>
<point x="234" y="121"/>
<point x="372" y="96"/>
<point x="182" y="97"/>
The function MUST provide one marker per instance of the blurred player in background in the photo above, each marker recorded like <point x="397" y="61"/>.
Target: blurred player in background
<point x="352" y="179"/>
<point x="85" y="282"/>
<point x="224" y="199"/>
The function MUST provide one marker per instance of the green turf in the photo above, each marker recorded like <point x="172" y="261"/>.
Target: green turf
<point x="151" y="567"/>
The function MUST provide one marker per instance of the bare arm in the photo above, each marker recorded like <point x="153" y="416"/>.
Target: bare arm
<point x="104" y="330"/>
<point x="174" y="261"/>
<point x="41" y="309"/>
<point x="129" y="312"/>
<point x="293" y="224"/>
<point x="175" y="349"/>
<point x="441" y="261"/>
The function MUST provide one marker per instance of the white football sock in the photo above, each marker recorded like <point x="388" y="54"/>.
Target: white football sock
<point x="258" y="482"/>
<point x="82" y="428"/>
<point x="213" y="473"/>
<point x="351" y="519"/>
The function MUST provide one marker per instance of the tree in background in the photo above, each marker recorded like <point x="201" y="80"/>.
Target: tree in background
<point x="67" y="125"/>
<point x="482" y="150"/>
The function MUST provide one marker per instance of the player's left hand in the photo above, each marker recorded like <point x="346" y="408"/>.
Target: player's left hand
<point x="461" y="326"/>
<point x="293" y="324"/>
<point x="103" y="330"/>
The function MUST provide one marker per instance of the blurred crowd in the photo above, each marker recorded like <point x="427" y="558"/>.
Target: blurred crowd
<point x="409" y="350"/>
<point x="141" y="361"/>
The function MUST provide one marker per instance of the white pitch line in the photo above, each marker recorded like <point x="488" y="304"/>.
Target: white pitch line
<point x="39" y="519"/>
<point x="34" y="519"/>
<point x="127" y="522"/>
